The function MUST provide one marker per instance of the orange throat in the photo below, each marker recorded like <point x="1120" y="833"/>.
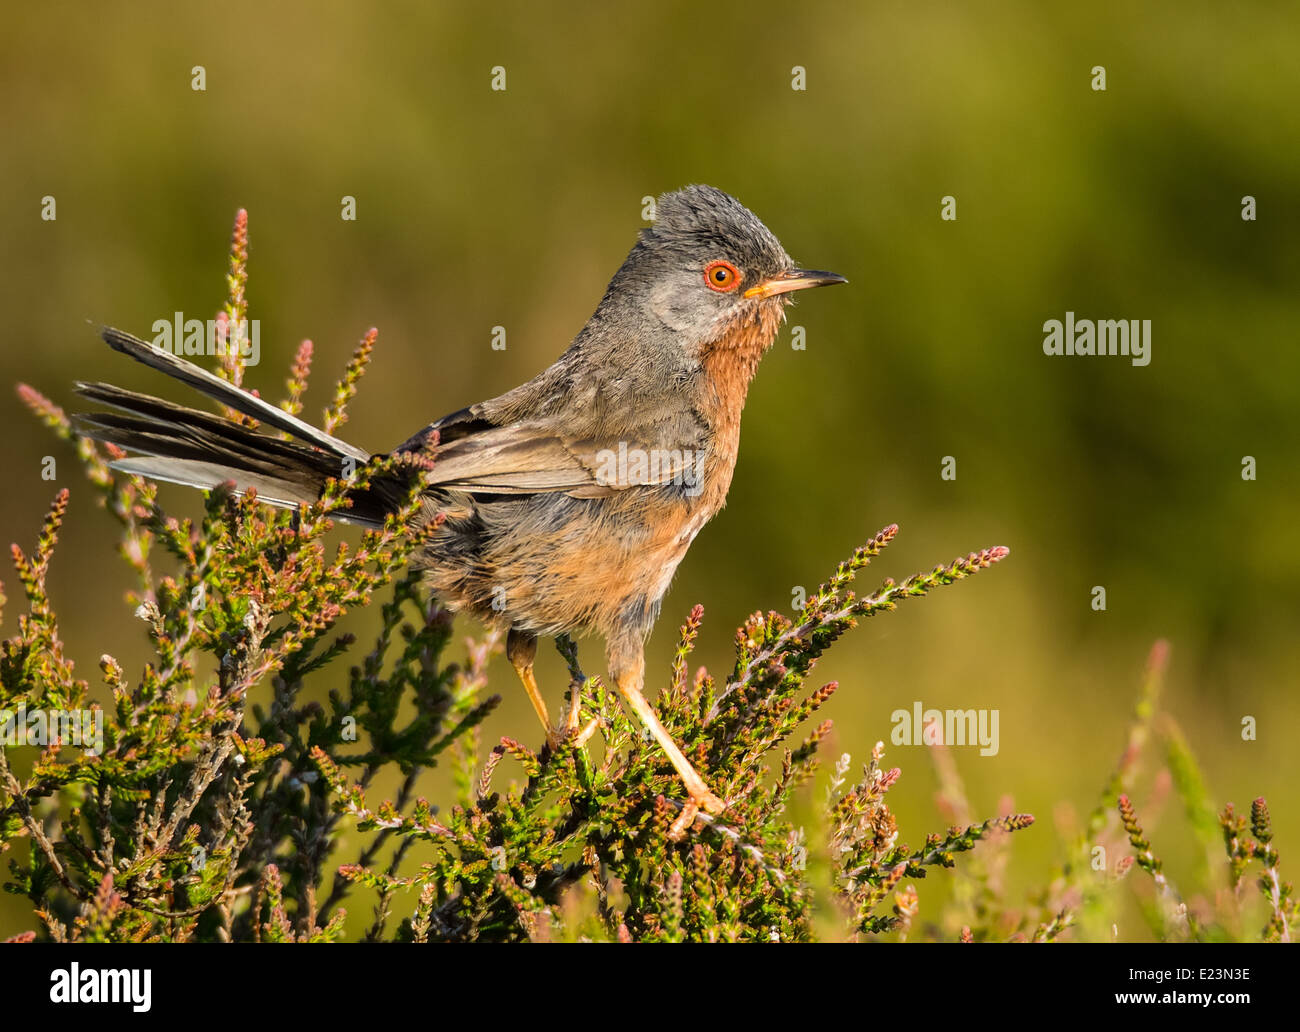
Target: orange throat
<point x="729" y="364"/>
<point x="731" y="360"/>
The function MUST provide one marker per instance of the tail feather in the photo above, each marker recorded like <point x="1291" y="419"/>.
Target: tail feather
<point x="227" y="393"/>
<point x="187" y="446"/>
<point x="207" y="475"/>
<point x="171" y="427"/>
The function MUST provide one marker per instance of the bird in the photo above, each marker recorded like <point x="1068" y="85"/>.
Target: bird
<point x="567" y="503"/>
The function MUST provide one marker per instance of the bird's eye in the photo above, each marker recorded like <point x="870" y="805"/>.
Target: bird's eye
<point x="721" y="276"/>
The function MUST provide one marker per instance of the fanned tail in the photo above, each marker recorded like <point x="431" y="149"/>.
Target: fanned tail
<point x="187" y="446"/>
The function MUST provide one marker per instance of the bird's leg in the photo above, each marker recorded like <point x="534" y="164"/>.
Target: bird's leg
<point x="521" y="650"/>
<point x="575" y="711"/>
<point x="627" y="668"/>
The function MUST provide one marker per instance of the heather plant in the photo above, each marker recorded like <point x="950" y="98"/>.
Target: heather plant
<point x="217" y="807"/>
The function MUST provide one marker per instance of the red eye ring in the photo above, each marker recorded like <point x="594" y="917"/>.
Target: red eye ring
<point x="722" y="276"/>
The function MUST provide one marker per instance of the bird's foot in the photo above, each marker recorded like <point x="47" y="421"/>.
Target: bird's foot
<point x="556" y="737"/>
<point x="701" y="799"/>
<point x="571" y="734"/>
<point x="684" y="820"/>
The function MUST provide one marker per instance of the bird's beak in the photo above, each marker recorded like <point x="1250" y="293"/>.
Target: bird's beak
<point x="794" y="279"/>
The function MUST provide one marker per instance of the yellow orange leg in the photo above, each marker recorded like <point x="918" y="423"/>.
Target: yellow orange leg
<point x="629" y="683"/>
<point x="574" y="716"/>
<point x="521" y="650"/>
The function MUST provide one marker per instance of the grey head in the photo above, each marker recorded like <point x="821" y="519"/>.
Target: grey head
<point x="706" y="261"/>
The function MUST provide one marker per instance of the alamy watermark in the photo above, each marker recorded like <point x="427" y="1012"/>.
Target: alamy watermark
<point x="920" y="726"/>
<point x="209" y="337"/>
<point x="75" y="984"/>
<point x="83" y="729"/>
<point x="627" y="467"/>
<point x="1130" y="337"/>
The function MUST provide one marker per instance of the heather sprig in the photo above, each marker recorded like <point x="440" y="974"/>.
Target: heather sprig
<point x="336" y="414"/>
<point x="232" y="320"/>
<point x="1278" y="894"/>
<point x="296" y="385"/>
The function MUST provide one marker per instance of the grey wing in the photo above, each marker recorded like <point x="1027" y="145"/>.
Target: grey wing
<point x="538" y="456"/>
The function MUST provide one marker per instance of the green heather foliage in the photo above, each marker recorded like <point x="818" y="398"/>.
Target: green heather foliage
<point x="210" y="817"/>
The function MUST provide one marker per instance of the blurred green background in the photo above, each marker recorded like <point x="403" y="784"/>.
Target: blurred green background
<point x="479" y="208"/>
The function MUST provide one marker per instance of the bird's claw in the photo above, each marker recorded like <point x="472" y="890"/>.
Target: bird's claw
<point x="558" y="737"/>
<point x="705" y="801"/>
